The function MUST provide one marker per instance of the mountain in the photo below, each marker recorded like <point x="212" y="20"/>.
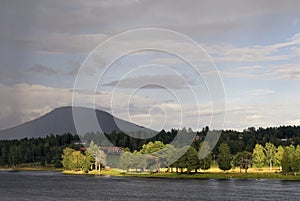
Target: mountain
<point x="60" y="120"/>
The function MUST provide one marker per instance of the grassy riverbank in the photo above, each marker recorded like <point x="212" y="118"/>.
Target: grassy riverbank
<point x="31" y="168"/>
<point x="213" y="173"/>
<point x="220" y="176"/>
<point x="233" y="174"/>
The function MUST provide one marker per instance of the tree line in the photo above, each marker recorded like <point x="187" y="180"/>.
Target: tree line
<point x="238" y="141"/>
<point x="287" y="158"/>
<point x="37" y="151"/>
<point x="156" y="155"/>
<point x="49" y="150"/>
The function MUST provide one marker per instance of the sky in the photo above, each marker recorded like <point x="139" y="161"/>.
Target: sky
<point x="248" y="67"/>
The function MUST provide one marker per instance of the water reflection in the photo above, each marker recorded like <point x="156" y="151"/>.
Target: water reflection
<point x="56" y="186"/>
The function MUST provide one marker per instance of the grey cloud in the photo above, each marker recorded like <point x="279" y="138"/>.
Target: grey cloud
<point x="74" y="68"/>
<point x="57" y="26"/>
<point x="12" y="118"/>
<point x="60" y="27"/>
<point x="39" y="68"/>
<point x="153" y="82"/>
<point x="289" y="72"/>
<point x="64" y="43"/>
<point x="23" y="102"/>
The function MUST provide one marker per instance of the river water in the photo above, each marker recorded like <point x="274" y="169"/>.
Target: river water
<point x="37" y="186"/>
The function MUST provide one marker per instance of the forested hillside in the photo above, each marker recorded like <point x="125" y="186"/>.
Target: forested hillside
<point x="36" y="151"/>
<point x="48" y="150"/>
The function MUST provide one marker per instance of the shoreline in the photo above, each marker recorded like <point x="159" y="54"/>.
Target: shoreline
<point x="31" y="168"/>
<point x="208" y="175"/>
<point x="201" y="175"/>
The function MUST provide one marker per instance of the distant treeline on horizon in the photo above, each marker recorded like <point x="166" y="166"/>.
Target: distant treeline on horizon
<point x="48" y="150"/>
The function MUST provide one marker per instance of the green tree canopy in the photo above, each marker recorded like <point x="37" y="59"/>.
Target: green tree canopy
<point x="243" y="160"/>
<point x="270" y="151"/>
<point x="287" y="158"/>
<point x="67" y="158"/>
<point x="77" y="160"/>
<point x="224" y="157"/>
<point x="192" y="157"/>
<point x="152" y="147"/>
<point x="258" y="156"/>
<point x="99" y="157"/>
<point x="205" y="156"/>
<point x="278" y="156"/>
<point x="126" y="161"/>
<point x="295" y="160"/>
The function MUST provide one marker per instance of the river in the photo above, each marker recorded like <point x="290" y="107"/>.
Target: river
<point x="43" y="185"/>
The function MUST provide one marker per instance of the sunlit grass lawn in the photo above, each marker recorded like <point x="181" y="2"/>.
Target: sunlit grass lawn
<point x="213" y="173"/>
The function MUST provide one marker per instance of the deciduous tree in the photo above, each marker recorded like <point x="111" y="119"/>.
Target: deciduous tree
<point x="270" y="151"/>
<point x="243" y="160"/>
<point x="67" y="158"/>
<point x="278" y="156"/>
<point x="258" y="156"/>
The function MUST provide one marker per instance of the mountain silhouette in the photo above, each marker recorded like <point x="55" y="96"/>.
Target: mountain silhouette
<point x="60" y="121"/>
